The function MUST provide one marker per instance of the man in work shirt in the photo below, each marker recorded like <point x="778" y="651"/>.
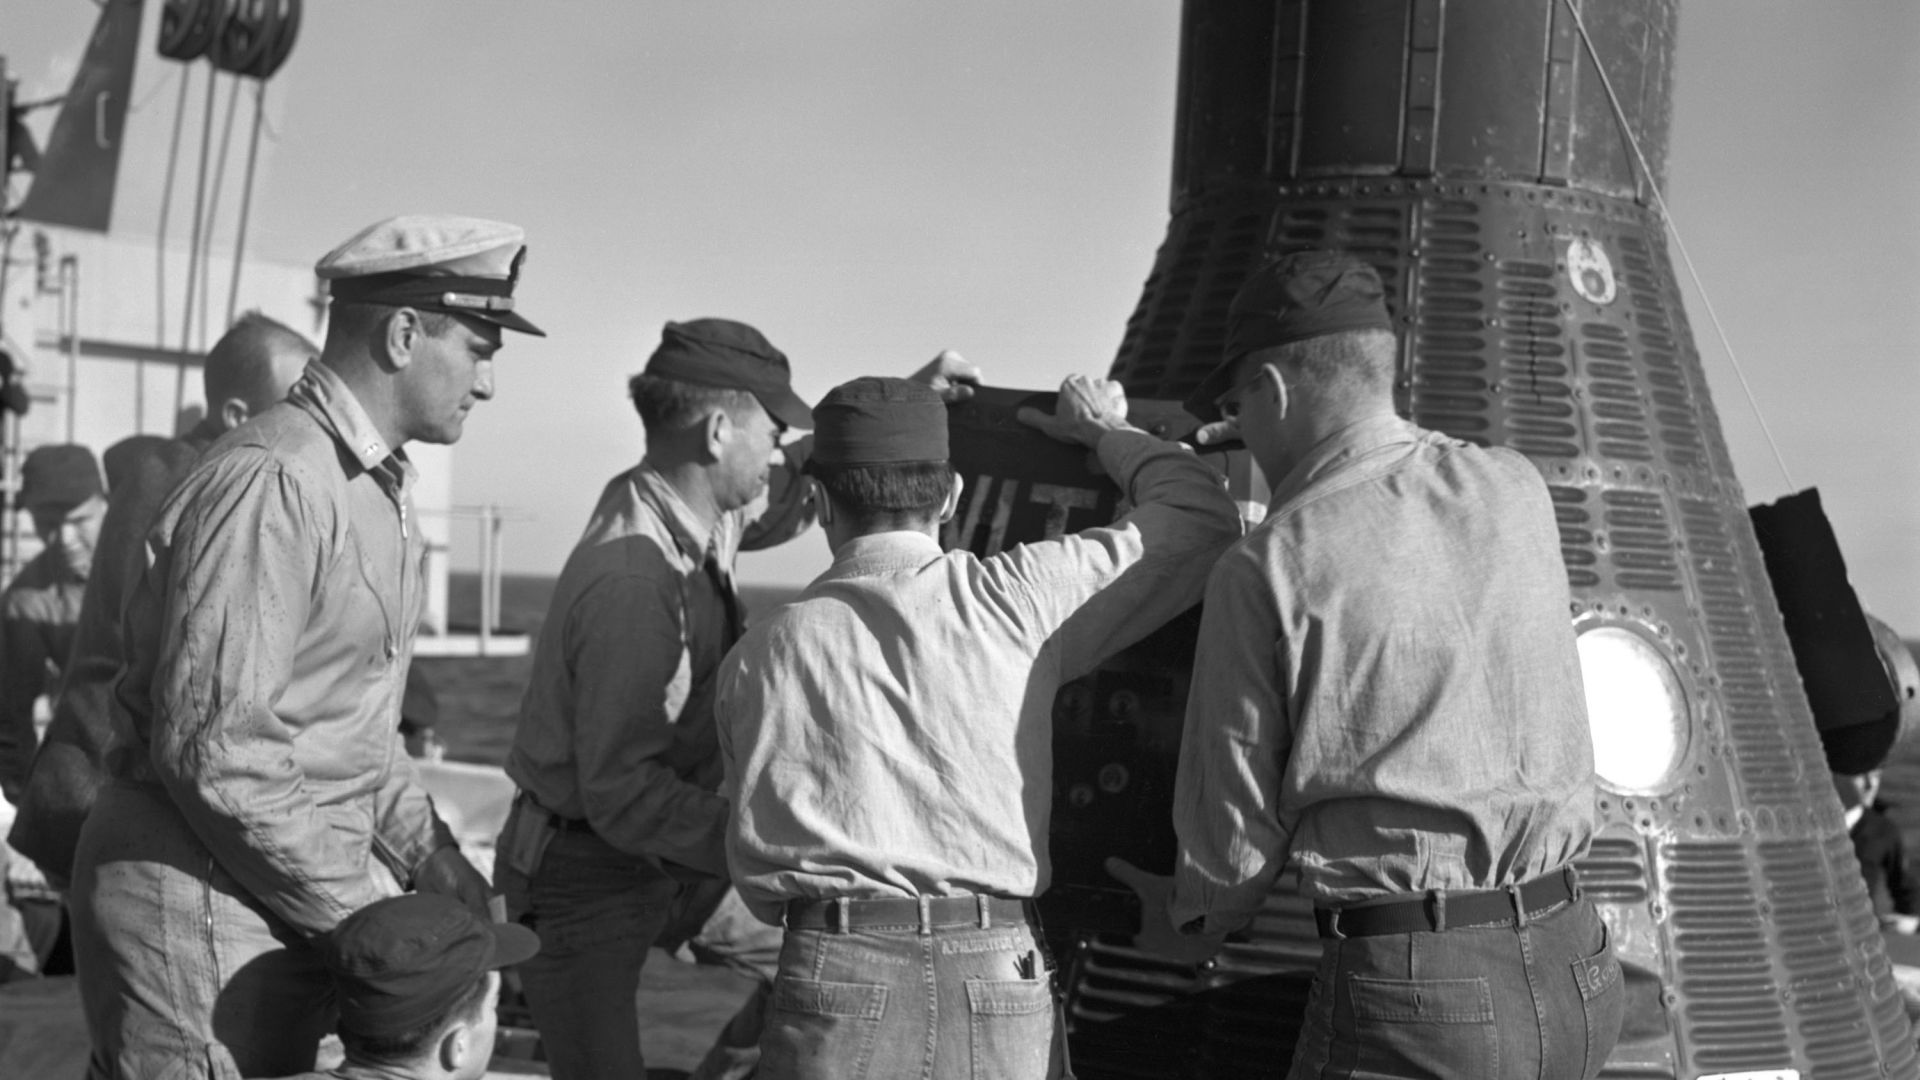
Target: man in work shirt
<point x="1386" y="690"/>
<point x="260" y="792"/>
<point x="889" y="734"/>
<point x="617" y="833"/>
<point x="247" y="371"/>
<point x="60" y="488"/>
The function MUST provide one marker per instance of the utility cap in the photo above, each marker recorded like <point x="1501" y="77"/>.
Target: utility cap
<point x="433" y="262"/>
<point x="725" y="355"/>
<point x="400" y="962"/>
<point x="1295" y="297"/>
<point x="59" y="477"/>
<point x="880" y="421"/>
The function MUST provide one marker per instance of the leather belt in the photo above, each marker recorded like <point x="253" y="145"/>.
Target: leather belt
<point x="923" y="913"/>
<point x="1439" y="911"/>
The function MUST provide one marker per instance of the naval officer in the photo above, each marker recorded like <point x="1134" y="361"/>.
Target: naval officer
<point x="260" y="791"/>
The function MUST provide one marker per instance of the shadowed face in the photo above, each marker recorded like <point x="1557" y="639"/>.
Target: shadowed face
<point x="448" y="374"/>
<point x="746" y="460"/>
<point x="1257" y="407"/>
<point x="72" y="532"/>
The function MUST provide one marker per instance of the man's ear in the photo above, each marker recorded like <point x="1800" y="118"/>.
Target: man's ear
<point x="953" y="499"/>
<point x="717" y="429"/>
<point x="1276" y="384"/>
<point x="400" y="333"/>
<point x="454" y="1044"/>
<point x="820" y="501"/>
<point x="233" y="412"/>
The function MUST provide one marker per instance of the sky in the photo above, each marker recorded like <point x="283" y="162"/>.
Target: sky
<point x="872" y="181"/>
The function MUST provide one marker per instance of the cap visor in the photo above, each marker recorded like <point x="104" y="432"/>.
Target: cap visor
<point x="512" y="943"/>
<point x="1203" y="402"/>
<point x="785" y="406"/>
<point x="509" y="320"/>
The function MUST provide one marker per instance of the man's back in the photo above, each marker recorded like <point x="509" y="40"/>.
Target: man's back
<point x="1428" y="726"/>
<point x="935" y="691"/>
<point x="891" y="729"/>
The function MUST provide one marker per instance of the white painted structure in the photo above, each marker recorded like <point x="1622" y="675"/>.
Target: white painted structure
<point x="98" y="322"/>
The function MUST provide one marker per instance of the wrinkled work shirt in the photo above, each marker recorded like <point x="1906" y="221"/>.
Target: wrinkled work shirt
<point x="38" y="612"/>
<point x="890" y="732"/>
<point x="267" y="650"/>
<point x="616" y="727"/>
<point x="143" y="471"/>
<point x="1385" y="684"/>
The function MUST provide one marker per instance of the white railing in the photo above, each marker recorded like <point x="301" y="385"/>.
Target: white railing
<point x="489" y="520"/>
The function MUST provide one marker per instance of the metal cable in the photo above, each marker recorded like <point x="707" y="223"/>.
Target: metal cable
<point x="158" y="86"/>
<point x="246" y="198"/>
<point x="213" y="215"/>
<point x="1666" y="219"/>
<point x="166" y="209"/>
<point x="199" y="210"/>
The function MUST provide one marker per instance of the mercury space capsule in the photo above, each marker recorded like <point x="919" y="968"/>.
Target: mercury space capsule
<point x="1498" y="162"/>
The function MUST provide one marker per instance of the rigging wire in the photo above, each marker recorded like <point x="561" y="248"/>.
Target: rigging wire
<point x="153" y="92"/>
<point x="199" y="210"/>
<point x="166" y="209"/>
<point x="1666" y="219"/>
<point x="213" y="209"/>
<point x="246" y="197"/>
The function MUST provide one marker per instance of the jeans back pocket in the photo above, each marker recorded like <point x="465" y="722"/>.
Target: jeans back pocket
<point x="821" y="1029"/>
<point x="1011" y="1028"/>
<point x="1418" y="1027"/>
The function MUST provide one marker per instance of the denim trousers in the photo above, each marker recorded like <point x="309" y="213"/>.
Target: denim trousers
<point x="182" y="973"/>
<point x="1540" y="999"/>
<point x="598" y="911"/>
<point x="894" y="1002"/>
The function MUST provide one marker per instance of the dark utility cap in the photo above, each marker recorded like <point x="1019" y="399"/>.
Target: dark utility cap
<point x="404" y="961"/>
<point x="59" y="477"/>
<point x="1295" y="297"/>
<point x="727" y="355"/>
<point x="880" y="421"/>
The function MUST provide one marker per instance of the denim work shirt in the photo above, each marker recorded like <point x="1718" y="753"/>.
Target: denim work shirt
<point x="616" y="727"/>
<point x="267" y="650"/>
<point x="890" y="732"/>
<point x="1386" y="684"/>
<point x="38" y="612"/>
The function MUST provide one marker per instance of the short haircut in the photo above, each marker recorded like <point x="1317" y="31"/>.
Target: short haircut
<point x="410" y="1044"/>
<point x="1350" y="359"/>
<point x="872" y="493"/>
<point x="669" y="404"/>
<point x="239" y="364"/>
<point x="357" y="319"/>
